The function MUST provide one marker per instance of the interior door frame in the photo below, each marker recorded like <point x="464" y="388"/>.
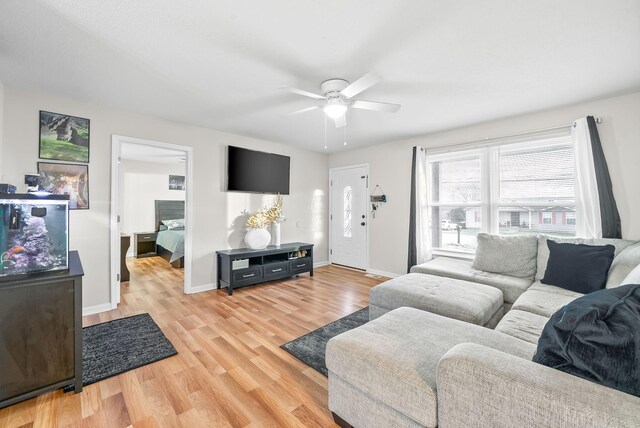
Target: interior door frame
<point x="116" y="144"/>
<point x="367" y="213"/>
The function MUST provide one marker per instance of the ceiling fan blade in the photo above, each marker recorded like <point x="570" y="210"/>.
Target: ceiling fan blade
<point x="376" y="106"/>
<point x="365" y="82"/>
<point x="304" y="93"/>
<point x="304" y="110"/>
<point x="341" y="121"/>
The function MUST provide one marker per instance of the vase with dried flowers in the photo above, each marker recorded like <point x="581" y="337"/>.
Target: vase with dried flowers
<point x="276" y="217"/>
<point x="257" y="236"/>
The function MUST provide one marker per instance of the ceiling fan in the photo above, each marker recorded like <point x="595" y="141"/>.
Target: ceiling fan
<point x="338" y="94"/>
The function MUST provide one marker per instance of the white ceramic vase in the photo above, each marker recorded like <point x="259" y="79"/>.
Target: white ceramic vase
<point x="275" y="234"/>
<point x="257" y="239"/>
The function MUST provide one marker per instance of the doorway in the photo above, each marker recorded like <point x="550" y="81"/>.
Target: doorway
<point x="348" y="217"/>
<point x="147" y="153"/>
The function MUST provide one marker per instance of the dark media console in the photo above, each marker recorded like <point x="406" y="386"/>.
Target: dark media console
<point x="241" y="267"/>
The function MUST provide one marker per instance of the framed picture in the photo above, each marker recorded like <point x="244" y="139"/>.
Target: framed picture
<point x="64" y="137"/>
<point x="176" y="182"/>
<point x="66" y="179"/>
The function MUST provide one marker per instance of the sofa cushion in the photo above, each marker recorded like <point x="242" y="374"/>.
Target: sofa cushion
<point x="597" y="337"/>
<point x="508" y="255"/>
<point x="543" y="249"/>
<point x="623" y="264"/>
<point x="394" y="358"/>
<point x="553" y="289"/>
<point x="449" y="297"/>
<point x="512" y="287"/>
<point x="543" y="303"/>
<point x="578" y="267"/>
<point x="523" y="325"/>
<point x="633" y="277"/>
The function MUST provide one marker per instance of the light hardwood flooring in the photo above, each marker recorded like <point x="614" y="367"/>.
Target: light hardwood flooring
<point x="229" y="371"/>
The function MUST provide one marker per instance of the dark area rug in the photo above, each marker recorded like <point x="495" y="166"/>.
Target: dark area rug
<point x="117" y="346"/>
<point x="310" y="348"/>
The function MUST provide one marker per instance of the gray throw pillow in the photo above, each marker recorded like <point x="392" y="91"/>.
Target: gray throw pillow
<point x="507" y="255"/>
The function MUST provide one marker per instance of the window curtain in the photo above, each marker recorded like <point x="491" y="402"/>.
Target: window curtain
<point x="596" y="210"/>
<point x="419" y="234"/>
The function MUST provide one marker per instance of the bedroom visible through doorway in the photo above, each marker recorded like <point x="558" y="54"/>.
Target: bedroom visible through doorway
<point x="150" y="216"/>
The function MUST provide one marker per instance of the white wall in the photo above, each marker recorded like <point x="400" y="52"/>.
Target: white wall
<point x="142" y="184"/>
<point x="390" y="167"/>
<point x="213" y="209"/>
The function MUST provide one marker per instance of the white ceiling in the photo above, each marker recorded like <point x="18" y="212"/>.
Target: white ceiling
<point x="219" y="64"/>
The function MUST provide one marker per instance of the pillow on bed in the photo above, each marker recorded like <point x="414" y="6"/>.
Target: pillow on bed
<point x="175" y="224"/>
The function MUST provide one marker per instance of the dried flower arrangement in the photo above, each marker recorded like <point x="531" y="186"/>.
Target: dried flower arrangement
<point x="274" y="214"/>
<point x="258" y="220"/>
<point x="264" y="217"/>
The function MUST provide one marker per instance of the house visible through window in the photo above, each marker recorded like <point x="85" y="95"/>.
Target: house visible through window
<point x="507" y="189"/>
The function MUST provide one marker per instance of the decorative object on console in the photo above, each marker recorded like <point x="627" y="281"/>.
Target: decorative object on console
<point x="32" y="181"/>
<point x="596" y="337"/>
<point x="64" y="137"/>
<point x="257" y="236"/>
<point x="7" y="188"/>
<point x="276" y="217"/>
<point x="578" y="267"/>
<point x="66" y="179"/>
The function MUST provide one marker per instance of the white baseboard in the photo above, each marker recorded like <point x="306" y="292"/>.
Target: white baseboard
<point x="201" y="288"/>
<point x="320" y="264"/>
<point x="91" y="310"/>
<point x="383" y="273"/>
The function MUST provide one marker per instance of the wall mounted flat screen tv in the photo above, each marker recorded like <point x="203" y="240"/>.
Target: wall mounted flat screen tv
<point x="257" y="172"/>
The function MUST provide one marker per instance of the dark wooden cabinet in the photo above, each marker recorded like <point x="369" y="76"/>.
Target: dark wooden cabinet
<point x="144" y="244"/>
<point x="244" y="266"/>
<point x="41" y="333"/>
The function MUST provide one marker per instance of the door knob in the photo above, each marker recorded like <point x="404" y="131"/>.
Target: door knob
<point x="362" y="215"/>
<point x="362" y="224"/>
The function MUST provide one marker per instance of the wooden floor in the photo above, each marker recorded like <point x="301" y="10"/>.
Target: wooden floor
<point x="229" y="371"/>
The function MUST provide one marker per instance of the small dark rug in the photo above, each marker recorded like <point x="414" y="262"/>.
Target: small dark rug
<point x="117" y="346"/>
<point x="310" y="348"/>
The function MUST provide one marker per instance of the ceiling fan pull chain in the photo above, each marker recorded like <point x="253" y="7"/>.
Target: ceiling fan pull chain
<point x="344" y="134"/>
<point x="325" y="132"/>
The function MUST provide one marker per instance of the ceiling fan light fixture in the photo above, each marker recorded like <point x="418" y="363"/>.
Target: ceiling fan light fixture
<point x="335" y="109"/>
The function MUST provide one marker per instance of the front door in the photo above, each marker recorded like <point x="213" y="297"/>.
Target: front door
<point x="348" y="217"/>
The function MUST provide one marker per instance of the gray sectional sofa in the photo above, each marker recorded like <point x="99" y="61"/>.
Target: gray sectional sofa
<point x="439" y="352"/>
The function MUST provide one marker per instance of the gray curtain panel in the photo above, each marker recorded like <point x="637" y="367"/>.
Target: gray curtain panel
<point x="413" y="249"/>
<point x="611" y="227"/>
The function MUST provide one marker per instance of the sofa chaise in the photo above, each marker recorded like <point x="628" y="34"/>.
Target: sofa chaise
<point x="423" y="361"/>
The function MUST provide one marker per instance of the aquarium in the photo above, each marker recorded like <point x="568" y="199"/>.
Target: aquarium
<point x="34" y="234"/>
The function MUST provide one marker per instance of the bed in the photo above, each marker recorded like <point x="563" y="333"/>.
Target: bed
<point x="170" y="242"/>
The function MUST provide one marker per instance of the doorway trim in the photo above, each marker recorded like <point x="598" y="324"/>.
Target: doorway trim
<point x="116" y="144"/>
<point x="331" y="170"/>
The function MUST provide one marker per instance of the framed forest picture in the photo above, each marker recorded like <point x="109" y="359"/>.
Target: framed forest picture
<point x="64" y="137"/>
<point x="66" y="179"/>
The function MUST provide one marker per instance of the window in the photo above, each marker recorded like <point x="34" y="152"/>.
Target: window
<point x="507" y="189"/>
<point x="347" y="196"/>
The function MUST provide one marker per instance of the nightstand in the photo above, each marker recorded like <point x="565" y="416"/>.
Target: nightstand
<point x="144" y="244"/>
